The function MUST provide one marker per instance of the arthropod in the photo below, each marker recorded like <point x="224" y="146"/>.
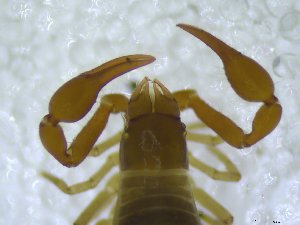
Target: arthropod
<point x="153" y="185"/>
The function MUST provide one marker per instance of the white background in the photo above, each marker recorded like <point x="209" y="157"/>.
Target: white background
<point x="45" y="43"/>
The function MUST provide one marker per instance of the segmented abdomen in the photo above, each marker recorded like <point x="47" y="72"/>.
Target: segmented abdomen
<point x="155" y="197"/>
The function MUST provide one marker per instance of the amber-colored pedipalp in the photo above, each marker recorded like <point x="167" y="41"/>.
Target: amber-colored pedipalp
<point x="249" y="80"/>
<point x="74" y="99"/>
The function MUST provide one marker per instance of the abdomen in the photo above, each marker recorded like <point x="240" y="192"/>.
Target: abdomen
<point x="155" y="197"/>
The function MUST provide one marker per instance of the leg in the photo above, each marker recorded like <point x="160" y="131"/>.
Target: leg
<point x="249" y="80"/>
<point x="111" y="161"/>
<point x="232" y="173"/>
<point x="203" y="138"/>
<point x="195" y="125"/>
<point x="102" y="200"/>
<point x="223" y="216"/>
<point x="104" y="222"/>
<point x="73" y="101"/>
<point x="107" y="221"/>
<point x="111" y="141"/>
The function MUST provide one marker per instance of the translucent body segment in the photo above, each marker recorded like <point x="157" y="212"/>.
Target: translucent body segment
<point x="153" y="141"/>
<point x="249" y="80"/>
<point x="223" y="216"/>
<point x="155" y="197"/>
<point x="51" y="133"/>
<point x="92" y="182"/>
<point x="76" y="97"/>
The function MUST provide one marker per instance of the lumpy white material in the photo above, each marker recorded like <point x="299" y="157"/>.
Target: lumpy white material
<point x="45" y="43"/>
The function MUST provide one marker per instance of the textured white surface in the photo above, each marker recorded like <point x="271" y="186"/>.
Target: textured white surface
<point x="45" y="43"/>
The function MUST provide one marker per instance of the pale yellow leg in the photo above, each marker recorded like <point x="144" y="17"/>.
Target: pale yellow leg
<point x="203" y="138"/>
<point x="108" y="143"/>
<point x="112" y="160"/>
<point x="232" y="173"/>
<point x="223" y="216"/>
<point x="102" y="200"/>
<point x="195" y="125"/>
<point x="104" y="222"/>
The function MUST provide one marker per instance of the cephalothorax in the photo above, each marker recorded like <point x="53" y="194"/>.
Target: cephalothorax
<point x="153" y="186"/>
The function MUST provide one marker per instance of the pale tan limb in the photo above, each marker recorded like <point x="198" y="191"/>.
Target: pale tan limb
<point x="223" y="216"/>
<point x="108" y="143"/>
<point x="203" y="138"/>
<point x="102" y="200"/>
<point x="104" y="222"/>
<point x="112" y="160"/>
<point x="208" y="219"/>
<point x="195" y="125"/>
<point x="113" y="210"/>
<point x="232" y="173"/>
